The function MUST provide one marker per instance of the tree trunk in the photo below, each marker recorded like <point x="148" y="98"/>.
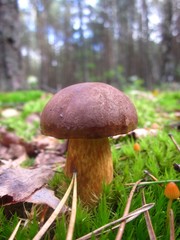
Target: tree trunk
<point x="168" y="67"/>
<point x="10" y="58"/>
<point x="145" y="68"/>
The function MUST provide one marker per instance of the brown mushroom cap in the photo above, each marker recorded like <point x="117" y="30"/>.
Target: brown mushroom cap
<point x="88" y="110"/>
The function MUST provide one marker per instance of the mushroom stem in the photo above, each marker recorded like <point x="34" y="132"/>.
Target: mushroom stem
<point x="169" y="209"/>
<point x="92" y="160"/>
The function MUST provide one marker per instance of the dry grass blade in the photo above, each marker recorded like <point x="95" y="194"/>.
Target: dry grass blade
<point x="126" y="211"/>
<point x="73" y="212"/>
<point x="56" y="212"/>
<point x="15" y="231"/>
<point x="128" y="218"/>
<point x="172" y="229"/>
<point x="151" y="232"/>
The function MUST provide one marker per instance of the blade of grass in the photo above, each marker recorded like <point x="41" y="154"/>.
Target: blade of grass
<point x="15" y="231"/>
<point x="56" y="212"/>
<point x="128" y="218"/>
<point x="149" y="225"/>
<point x="126" y="211"/>
<point x="73" y="212"/>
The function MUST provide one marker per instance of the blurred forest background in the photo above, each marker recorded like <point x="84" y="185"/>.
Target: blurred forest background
<point x="50" y="44"/>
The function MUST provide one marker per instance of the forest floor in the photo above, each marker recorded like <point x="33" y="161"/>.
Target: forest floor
<point x="31" y="165"/>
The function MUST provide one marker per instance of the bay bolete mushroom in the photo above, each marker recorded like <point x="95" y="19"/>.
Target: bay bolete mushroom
<point x="87" y="114"/>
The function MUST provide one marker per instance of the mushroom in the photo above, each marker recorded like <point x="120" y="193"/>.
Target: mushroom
<point x="87" y="114"/>
<point x="171" y="192"/>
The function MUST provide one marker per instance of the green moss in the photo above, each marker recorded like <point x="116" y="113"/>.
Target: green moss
<point x="19" y="97"/>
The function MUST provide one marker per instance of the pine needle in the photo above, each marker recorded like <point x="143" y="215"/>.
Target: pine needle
<point x="126" y="211"/>
<point x="130" y="218"/>
<point x="150" y="175"/>
<point x="15" y="231"/>
<point x="73" y="212"/>
<point x="127" y="218"/>
<point x="56" y="212"/>
<point x="149" y="225"/>
<point x="153" y="182"/>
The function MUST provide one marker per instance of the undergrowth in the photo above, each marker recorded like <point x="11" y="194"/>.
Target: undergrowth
<point x="157" y="155"/>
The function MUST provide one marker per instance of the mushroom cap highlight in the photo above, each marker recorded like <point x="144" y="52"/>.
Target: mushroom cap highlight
<point x="88" y="110"/>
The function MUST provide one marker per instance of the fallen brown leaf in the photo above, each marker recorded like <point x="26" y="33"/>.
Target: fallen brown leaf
<point x="46" y="142"/>
<point x="7" y="138"/>
<point x="33" y="148"/>
<point x="18" y="184"/>
<point x="51" y="143"/>
<point x="143" y="132"/>
<point x="12" y="163"/>
<point x="139" y="133"/>
<point x="49" y="158"/>
<point x="44" y="196"/>
<point x="12" y="152"/>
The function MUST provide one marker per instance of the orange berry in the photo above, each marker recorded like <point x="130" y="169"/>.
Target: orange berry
<point x="137" y="147"/>
<point x="172" y="191"/>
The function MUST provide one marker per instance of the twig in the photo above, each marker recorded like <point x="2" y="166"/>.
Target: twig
<point x="73" y="212"/>
<point x="172" y="229"/>
<point x="151" y="232"/>
<point x="174" y="141"/>
<point x="15" y="231"/>
<point x="126" y="211"/>
<point x="55" y="213"/>
<point x="128" y="218"/>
